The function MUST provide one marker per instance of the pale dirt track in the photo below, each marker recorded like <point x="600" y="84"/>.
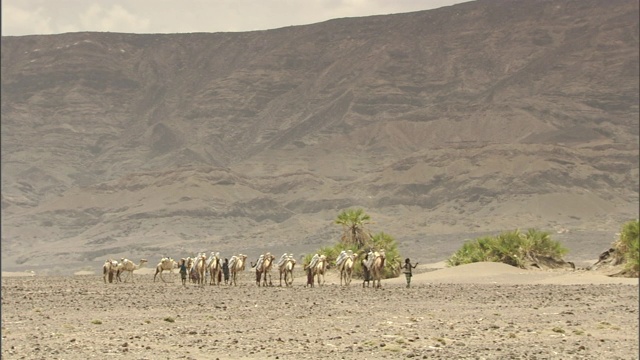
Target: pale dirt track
<point x="493" y="314"/>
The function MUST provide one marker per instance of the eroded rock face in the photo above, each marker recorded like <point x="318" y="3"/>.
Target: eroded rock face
<point x="479" y="117"/>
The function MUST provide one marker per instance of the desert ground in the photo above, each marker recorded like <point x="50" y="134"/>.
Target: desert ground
<point x="476" y="311"/>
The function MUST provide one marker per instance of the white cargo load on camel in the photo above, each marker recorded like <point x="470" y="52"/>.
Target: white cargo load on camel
<point x="314" y="261"/>
<point x="283" y="258"/>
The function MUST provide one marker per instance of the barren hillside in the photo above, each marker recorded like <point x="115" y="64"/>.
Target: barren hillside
<point x="442" y="124"/>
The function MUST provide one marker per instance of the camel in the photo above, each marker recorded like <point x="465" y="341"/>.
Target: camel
<point x="109" y="269"/>
<point x="198" y="269"/>
<point x="129" y="267"/>
<point x="316" y="267"/>
<point x="189" y="261"/>
<point x="377" y="268"/>
<point x="237" y="264"/>
<point x="165" y="264"/>
<point x="118" y="265"/>
<point x="345" y="263"/>
<point x="214" y="268"/>
<point x="285" y="266"/>
<point x="263" y="268"/>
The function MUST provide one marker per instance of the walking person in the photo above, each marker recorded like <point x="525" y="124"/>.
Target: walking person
<point x="407" y="270"/>
<point x="225" y="271"/>
<point x="183" y="271"/>
<point x="366" y="272"/>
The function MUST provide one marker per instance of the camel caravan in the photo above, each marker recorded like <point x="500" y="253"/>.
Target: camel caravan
<point x="196" y="269"/>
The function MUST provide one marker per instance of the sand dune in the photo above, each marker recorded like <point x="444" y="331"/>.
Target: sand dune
<point x="498" y="273"/>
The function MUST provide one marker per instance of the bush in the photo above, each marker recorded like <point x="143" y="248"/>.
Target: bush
<point x="628" y="247"/>
<point x="512" y="247"/>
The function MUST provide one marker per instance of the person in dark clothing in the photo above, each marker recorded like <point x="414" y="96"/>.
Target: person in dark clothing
<point x="407" y="270"/>
<point x="183" y="271"/>
<point x="225" y="271"/>
<point x="365" y="271"/>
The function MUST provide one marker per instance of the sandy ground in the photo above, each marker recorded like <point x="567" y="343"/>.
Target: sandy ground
<point x="476" y="311"/>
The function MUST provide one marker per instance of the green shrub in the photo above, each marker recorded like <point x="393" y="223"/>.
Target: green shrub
<point x="511" y="247"/>
<point x="628" y="246"/>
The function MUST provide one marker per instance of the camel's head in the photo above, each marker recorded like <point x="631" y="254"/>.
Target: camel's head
<point x="142" y="261"/>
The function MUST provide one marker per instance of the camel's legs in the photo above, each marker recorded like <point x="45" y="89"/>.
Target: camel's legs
<point x="267" y="273"/>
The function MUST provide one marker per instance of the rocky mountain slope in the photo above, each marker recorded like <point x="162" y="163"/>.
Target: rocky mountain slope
<point x="479" y="117"/>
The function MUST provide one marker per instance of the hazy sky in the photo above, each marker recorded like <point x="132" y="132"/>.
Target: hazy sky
<point x="27" y="17"/>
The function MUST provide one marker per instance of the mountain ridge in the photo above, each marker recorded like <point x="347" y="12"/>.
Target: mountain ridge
<point x="477" y="117"/>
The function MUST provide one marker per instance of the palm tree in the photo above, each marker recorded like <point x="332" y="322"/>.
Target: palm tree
<point x="353" y="222"/>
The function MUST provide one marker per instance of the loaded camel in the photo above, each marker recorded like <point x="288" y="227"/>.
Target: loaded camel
<point x="263" y="269"/>
<point x="109" y="269"/>
<point x="377" y="267"/>
<point x="129" y="267"/>
<point x="215" y="268"/>
<point x="316" y="267"/>
<point x="345" y="263"/>
<point x="165" y="264"/>
<point x="236" y="264"/>
<point x="189" y="264"/>
<point x="198" y="269"/>
<point x="285" y="266"/>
